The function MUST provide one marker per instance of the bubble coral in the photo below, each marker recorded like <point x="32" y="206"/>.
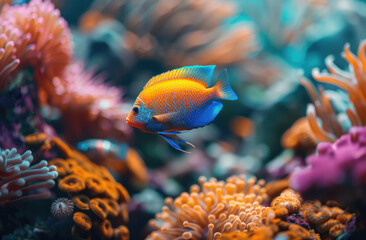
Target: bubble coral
<point x="21" y="181"/>
<point x="213" y="208"/>
<point x="340" y="160"/>
<point x="62" y="208"/>
<point x="353" y="82"/>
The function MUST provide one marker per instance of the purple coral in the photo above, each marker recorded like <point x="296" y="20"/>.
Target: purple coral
<point x="344" y="160"/>
<point x="19" y="181"/>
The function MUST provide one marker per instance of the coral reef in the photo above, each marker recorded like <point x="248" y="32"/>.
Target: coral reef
<point x="100" y="202"/>
<point x="181" y="33"/>
<point x="343" y="161"/>
<point x="21" y="181"/>
<point x="42" y="41"/>
<point x="352" y="82"/>
<point x="89" y="108"/>
<point x="212" y="209"/>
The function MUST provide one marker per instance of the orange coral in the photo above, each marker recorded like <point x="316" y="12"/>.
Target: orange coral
<point x="289" y="200"/>
<point x="299" y="136"/>
<point x="9" y="61"/>
<point x="82" y="179"/>
<point x="212" y="209"/>
<point x="81" y="201"/>
<point x="353" y="82"/>
<point x="82" y="220"/>
<point x="43" y="42"/>
<point x="327" y="220"/>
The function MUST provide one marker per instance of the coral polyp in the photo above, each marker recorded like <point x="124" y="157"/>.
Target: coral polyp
<point x="62" y="208"/>
<point x="284" y="160"/>
<point x="213" y="208"/>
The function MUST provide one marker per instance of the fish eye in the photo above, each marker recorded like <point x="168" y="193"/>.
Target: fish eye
<point x="135" y="110"/>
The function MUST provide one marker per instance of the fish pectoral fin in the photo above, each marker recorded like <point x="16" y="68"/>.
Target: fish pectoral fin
<point x="165" y="117"/>
<point x="208" y="114"/>
<point x="174" y="141"/>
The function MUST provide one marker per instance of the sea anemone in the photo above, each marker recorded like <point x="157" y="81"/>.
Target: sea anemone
<point x="9" y="53"/>
<point x="89" y="108"/>
<point x="212" y="209"/>
<point x="353" y="82"/>
<point x="21" y="181"/>
<point x="48" y="36"/>
<point x="62" y="208"/>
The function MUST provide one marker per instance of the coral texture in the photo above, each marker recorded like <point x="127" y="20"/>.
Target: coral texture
<point x="36" y="36"/>
<point x="62" y="208"/>
<point x="212" y="209"/>
<point x="100" y="202"/>
<point x="19" y="181"/>
<point x="353" y="82"/>
<point x="343" y="159"/>
<point x="89" y="108"/>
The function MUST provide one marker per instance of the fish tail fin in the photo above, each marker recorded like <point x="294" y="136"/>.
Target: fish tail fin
<point x="223" y="88"/>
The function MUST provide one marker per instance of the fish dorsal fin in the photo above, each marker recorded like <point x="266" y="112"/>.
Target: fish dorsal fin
<point x="199" y="73"/>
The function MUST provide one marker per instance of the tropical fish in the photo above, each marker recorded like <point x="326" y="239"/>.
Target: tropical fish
<point x="180" y="100"/>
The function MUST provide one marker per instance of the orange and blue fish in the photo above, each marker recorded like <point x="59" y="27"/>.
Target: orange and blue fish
<point x="180" y="100"/>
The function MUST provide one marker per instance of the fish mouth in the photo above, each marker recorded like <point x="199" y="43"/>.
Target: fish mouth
<point x="128" y="121"/>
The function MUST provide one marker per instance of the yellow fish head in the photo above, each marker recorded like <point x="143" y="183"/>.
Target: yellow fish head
<point x="139" y="115"/>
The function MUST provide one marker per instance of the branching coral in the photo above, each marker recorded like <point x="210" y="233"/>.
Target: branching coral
<point x="19" y="181"/>
<point x="212" y="209"/>
<point x="345" y="157"/>
<point x="99" y="200"/>
<point x="352" y="81"/>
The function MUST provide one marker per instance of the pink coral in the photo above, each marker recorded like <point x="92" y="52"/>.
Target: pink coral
<point x="34" y="35"/>
<point x="19" y="181"/>
<point x="90" y="108"/>
<point x="334" y="162"/>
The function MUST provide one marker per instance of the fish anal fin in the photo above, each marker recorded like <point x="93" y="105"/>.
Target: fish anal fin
<point x="208" y="115"/>
<point x="199" y="73"/>
<point x="174" y="141"/>
<point x="165" y="117"/>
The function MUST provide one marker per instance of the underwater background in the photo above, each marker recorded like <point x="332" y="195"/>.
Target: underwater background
<point x="287" y="160"/>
